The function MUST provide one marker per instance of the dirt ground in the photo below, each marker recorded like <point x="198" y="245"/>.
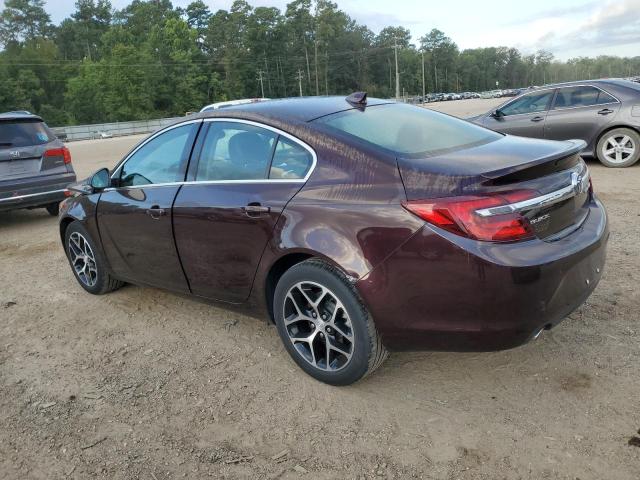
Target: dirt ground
<point x="145" y="384"/>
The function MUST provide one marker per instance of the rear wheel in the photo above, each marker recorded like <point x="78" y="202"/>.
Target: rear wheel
<point x="324" y="325"/>
<point x="53" y="209"/>
<point x="619" y="148"/>
<point x="87" y="262"/>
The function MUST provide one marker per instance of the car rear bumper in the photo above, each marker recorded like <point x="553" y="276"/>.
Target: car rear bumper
<point x="443" y="292"/>
<point x="34" y="192"/>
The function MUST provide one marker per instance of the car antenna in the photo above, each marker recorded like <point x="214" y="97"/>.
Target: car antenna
<point x="358" y="99"/>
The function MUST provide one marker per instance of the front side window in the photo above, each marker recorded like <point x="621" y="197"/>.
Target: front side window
<point x="530" y="103"/>
<point x="584" y="96"/>
<point x="290" y="160"/>
<point x="408" y="130"/>
<point x="235" y="151"/>
<point x="160" y="160"/>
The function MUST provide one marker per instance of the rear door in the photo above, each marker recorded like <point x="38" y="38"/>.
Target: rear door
<point x="225" y="216"/>
<point x="580" y="112"/>
<point x="134" y="217"/>
<point x="524" y="116"/>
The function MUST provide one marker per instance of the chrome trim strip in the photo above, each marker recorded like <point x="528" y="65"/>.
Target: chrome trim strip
<point x="222" y="182"/>
<point x="551" y="109"/>
<point x="579" y="184"/>
<point x="29" y="195"/>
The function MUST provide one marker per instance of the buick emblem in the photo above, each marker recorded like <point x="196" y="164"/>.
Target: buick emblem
<point x="14" y="153"/>
<point x="579" y="182"/>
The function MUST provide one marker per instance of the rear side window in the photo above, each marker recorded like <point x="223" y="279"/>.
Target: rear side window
<point x="409" y="131"/>
<point x="235" y="151"/>
<point x="585" y="96"/>
<point x="24" y="134"/>
<point x="290" y="160"/>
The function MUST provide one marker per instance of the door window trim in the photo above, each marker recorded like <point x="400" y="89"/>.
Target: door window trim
<point x="222" y="182"/>
<point x="555" y="95"/>
<point x="116" y="171"/>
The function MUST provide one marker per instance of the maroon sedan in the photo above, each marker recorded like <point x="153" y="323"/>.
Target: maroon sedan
<point x="356" y="226"/>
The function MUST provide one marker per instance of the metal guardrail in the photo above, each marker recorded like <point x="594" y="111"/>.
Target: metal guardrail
<point x="107" y="130"/>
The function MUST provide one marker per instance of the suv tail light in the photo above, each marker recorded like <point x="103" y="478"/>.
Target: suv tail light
<point x="458" y="215"/>
<point x="59" y="152"/>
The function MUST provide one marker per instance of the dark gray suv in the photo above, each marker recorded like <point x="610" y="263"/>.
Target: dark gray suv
<point x="35" y="166"/>
<point x="603" y="113"/>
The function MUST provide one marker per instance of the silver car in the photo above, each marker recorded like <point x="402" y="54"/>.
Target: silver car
<point x="35" y="166"/>
<point x="603" y="113"/>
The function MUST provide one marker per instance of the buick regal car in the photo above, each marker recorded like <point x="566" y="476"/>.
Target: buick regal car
<point x="356" y="226"/>
<point x="603" y="113"/>
<point x="35" y="166"/>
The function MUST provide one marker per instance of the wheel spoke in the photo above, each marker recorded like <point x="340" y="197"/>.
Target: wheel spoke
<point x="611" y="151"/>
<point x="628" y="150"/>
<point x="624" y="141"/>
<point x="325" y="343"/>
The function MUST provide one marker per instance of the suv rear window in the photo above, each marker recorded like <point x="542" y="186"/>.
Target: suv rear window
<point x="23" y="133"/>
<point x="409" y="131"/>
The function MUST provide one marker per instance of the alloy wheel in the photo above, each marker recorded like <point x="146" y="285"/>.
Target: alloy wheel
<point x="318" y="326"/>
<point x="83" y="259"/>
<point x="618" y="148"/>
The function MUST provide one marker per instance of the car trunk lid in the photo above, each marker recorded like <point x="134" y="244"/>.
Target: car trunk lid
<point x="550" y="180"/>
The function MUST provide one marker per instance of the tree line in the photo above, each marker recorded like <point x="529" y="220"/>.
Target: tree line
<point x="151" y="59"/>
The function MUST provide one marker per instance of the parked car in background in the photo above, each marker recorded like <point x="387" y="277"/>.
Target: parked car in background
<point x="35" y="166"/>
<point x="232" y="103"/>
<point x="355" y="225"/>
<point x="603" y="113"/>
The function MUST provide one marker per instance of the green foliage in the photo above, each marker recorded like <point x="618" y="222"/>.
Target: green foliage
<point x="151" y="60"/>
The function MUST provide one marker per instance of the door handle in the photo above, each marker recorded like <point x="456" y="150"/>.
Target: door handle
<point x="605" y="111"/>
<point x="156" y="212"/>
<point x="255" y="209"/>
<point x="537" y="119"/>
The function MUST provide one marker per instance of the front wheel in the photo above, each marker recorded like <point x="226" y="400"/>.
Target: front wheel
<point x="87" y="262"/>
<point x="324" y="325"/>
<point x="619" y="148"/>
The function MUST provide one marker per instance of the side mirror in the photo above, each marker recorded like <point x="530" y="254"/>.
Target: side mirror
<point x="100" y="180"/>
<point x="497" y="113"/>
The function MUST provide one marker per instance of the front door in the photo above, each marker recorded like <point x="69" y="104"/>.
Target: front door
<point x="524" y="116"/>
<point x="223" y="219"/>
<point x="134" y="217"/>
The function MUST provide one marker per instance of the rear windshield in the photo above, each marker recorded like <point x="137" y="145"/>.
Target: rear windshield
<point x="409" y="131"/>
<point x="24" y="133"/>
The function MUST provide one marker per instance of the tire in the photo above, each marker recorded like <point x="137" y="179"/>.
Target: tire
<point x="619" y="148"/>
<point x="94" y="277"/>
<point x="356" y="347"/>
<point x="53" y="209"/>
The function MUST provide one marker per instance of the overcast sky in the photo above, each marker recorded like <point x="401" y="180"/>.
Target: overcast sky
<point x="567" y="28"/>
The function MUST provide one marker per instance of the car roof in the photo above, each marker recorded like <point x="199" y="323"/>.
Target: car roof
<point x="600" y="81"/>
<point x="300" y="109"/>
<point x="19" y="115"/>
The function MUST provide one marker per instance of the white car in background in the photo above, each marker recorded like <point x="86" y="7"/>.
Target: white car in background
<point x="231" y="103"/>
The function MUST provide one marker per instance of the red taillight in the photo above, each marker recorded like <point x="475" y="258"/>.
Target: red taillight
<point x="59" y="152"/>
<point x="459" y="215"/>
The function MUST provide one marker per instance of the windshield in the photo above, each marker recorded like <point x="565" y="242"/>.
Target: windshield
<point x="16" y="133"/>
<point x="409" y="131"/>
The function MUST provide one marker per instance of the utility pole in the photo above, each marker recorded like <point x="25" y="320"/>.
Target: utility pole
<point x="306" y="54"/>
<point x="423" y="84"/>
<point x="395" y="47"/>
<point x="260" y="72"/>
<point x="266" y="67"/>
<point x="435" y="74"/>
<point x="299" y="77"/>
<point x="315" y="59"/>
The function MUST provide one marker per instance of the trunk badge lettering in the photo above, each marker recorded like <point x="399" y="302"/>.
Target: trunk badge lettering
<point x="14" y="153"/>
